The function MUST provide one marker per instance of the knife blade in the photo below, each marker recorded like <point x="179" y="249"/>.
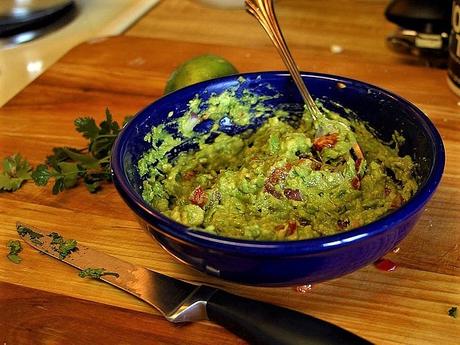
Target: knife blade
<point x="179" y="301"/>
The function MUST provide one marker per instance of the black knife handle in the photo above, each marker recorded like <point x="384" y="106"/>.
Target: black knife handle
<point x="266" y="324"/>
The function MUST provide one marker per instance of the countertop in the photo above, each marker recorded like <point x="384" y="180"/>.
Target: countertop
<point x="22" y="63"/>
<point x="45" y="302"/>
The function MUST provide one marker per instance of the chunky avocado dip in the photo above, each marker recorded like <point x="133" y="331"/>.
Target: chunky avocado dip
<point x="287" y="180"/>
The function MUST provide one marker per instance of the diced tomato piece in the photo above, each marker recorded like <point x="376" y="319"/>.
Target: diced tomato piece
<point x="316" y="165"/>
<point x="199" y="197"/>
<point x="293" y="194"/>
<point x="397" y="201"/>
<point x="279" y="174"/>
<point x="276" y="175"/>
<point x="288" y="167"/>
<point x="356" y="183"/>
<point x="291" y="228"/>
<point x="329" y="141"/>
<point x="270" y="188"/>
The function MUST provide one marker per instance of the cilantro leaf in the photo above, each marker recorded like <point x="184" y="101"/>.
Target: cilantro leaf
<point x="16" y="170"/>
<point x="22" y="231"/>
<point x="65" y="175"/>
<point x="92" y="186"/>
<point x="55" y="238"/>
<point x="453" y="312"/>
<point x="67" y="247"/>
<point x="86" y="159"/>
<point x="34" y="236"/>
<point x="96" y="273"/>
<point x="62" y="246"/>
<point x="108" y="126"/>
<point x="58" y="186"/>
<point x="15" y="248"/>
<point x="41" y="175"/>
<point x="69" y="172"/>
<point x="61" y="154"/>
<point x="87" y="126"/>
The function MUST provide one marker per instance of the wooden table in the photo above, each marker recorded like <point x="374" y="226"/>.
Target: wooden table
<point x="45" y="302"/>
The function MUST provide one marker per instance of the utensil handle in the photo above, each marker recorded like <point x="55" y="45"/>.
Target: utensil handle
<point x="264" y="12"/>
<point x="266" y="324"/>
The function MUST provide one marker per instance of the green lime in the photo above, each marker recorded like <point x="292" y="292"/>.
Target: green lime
<point x="200" y="68"/>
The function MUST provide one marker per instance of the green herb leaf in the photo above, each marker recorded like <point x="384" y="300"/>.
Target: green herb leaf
<point x="61" y="154"/>
<point x="62" y="246"/>
<point x="34" y="236"/>
<point x="93" y="187"/>
<point x="58" y="186"/>
<point x="14" y="258"/>
<point x="85" y="159"/>
<point x="87" y="126"/>
<point x="96" y="273"/>
<point x="41" y="175"/>
<point x="67" y="247"/>
<point x="91" y="164"/>
<point x="15" y="248"/>
<point x="70" y="172"/>
<point x="16" y="170"/>
<point x="109" y="126"/>
<point x="55" y="238"/>
<point x="66" y="166"/>
<point x="453" y="312"/>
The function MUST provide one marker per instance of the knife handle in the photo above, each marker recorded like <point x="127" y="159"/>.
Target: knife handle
<point x="266" y="324"/>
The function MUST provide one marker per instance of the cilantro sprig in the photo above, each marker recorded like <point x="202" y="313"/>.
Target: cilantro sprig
<point x="16" y="170"/>
<point x="15" y="248"/>
<point x="68" y="166"/>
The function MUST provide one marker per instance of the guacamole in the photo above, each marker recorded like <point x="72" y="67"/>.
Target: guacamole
<point x="292" y="178"/>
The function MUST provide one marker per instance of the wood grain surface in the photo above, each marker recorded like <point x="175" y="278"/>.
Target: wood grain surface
<point x="45" y="302"/>
<point x="358" y="27"/>
<point x="35" y="316"/>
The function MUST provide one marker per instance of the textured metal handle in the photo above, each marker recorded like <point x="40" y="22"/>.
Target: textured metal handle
<point x="264" y="12"/>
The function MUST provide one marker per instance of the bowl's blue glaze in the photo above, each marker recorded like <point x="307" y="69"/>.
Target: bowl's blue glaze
<point x="295" y="262"/>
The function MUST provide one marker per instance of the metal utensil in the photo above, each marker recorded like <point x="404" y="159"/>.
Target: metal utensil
<point x="180" y="301"/>
<point x="264" y="12"/>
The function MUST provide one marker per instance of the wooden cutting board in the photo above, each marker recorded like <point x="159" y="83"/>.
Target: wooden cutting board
<point x="44" y="301"/>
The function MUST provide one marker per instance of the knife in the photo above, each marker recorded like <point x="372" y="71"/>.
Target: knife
<point x="179" y="301"/>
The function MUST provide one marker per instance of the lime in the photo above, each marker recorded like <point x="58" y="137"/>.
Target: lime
<point x="200" y="68"/>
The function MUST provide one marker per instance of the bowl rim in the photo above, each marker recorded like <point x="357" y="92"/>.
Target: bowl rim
<point x="173" y="229"/>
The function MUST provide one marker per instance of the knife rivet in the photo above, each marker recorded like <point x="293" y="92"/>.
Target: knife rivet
<point x="213" y="271"/>
<point x="303" y="288"/>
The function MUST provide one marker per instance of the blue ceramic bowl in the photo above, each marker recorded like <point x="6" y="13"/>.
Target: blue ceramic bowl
<point x="293" y="262"/>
